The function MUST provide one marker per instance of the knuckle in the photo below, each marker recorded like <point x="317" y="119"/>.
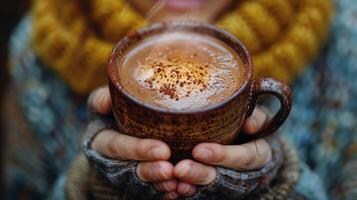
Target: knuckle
<point x="112" y="148"/>
<point x="150" y="172"/>
<point x="159" y="170"/>
<point x="140" y="148"/>
<point x="209" y="176"/>
<point x="267" y="156"/>
<point x="157" y="166"/>
<point x="218" y="155"/>
<point x="262" y="153"/>
<point x="248" y="158"/>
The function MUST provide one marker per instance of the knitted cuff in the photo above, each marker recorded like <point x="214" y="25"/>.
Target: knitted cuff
<point x="233" y="184"/>
<point x="121" y="174"/>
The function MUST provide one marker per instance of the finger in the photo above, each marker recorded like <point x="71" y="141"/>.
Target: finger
<point x="255" y="122"/>
<point x="99" y="101"/>
<point x="156" y="171"/>
<point x="249" y="156"/>
<point x="171" y="195"/>
<point x="186" y="189"/>
<point x="122" y="147"/>
<point x="195" y="173"/>
<point x="166" y="186"/>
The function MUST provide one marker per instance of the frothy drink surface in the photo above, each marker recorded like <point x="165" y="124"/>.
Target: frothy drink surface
<point x="180" y="71"/>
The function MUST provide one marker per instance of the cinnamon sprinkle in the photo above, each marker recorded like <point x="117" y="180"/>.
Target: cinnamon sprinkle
<point x="178" y="77"/>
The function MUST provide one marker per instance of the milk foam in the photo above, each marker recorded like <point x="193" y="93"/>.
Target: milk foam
<point x="181" y="71"/>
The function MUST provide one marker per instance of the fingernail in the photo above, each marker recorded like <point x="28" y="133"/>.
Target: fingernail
<point x="204" y="154"/>
<point x="254" y="123"/>
<point x="183" y="170"/>
<point x="173" y="195"/>
<point x="163" y="172"/>
<point x="156" y="153"/>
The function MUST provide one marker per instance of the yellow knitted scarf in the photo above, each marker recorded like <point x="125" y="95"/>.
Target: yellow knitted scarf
<point x="75" y="37"/>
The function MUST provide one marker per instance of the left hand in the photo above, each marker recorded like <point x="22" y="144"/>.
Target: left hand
<point x="249" y="156"/>
<point x="153" y="155"/>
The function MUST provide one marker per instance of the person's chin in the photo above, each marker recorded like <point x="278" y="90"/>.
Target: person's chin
<point x="183" y="5"/>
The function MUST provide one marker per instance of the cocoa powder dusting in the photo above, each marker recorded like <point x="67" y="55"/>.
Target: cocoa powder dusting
<point x="177" y="75"/>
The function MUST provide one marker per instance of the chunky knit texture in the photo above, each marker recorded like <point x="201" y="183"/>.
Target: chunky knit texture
<point x="229" y="184"/>
<point x="75" y="37"/>
<point x="85" y="183"/>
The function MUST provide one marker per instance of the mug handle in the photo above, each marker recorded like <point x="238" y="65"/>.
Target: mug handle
<point x="280" y="90"/>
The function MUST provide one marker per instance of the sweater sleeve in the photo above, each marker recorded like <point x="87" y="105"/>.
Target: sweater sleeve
<point x="121" y="174"/>
<point x="84" y="182"/>
<point x="233" y="184"/>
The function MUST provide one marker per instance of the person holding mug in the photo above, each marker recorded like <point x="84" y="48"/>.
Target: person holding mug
<point x="58" y="57"/>
<point x="186" y="127"/>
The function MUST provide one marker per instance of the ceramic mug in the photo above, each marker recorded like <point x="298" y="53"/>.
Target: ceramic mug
<point x="182" y="130"/>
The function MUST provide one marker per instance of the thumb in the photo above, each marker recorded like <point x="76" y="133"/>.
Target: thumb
<point x="99" y="101"/>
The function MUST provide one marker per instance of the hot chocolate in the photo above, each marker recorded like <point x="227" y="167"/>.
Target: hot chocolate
<point x="185" y="83"/>
<point x="180" y="71"/>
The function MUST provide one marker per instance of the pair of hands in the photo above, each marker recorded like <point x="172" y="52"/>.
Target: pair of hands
<point x="183" y="178"/>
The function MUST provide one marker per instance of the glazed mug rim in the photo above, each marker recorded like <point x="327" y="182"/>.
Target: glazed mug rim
<point x="132" y="38"/>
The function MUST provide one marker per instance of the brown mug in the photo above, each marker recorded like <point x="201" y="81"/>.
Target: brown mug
<point x="182" y="130"/>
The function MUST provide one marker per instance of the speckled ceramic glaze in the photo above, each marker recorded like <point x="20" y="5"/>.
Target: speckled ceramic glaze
<point x="220" y="122"/>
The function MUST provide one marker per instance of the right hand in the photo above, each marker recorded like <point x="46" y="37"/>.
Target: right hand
<point x="153" y="154"/>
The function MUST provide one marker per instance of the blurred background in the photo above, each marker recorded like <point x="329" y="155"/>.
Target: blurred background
<point x="11" y="12"/>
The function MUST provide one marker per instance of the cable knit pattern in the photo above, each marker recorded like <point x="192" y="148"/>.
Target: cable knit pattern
<point x="75" y="37"/>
